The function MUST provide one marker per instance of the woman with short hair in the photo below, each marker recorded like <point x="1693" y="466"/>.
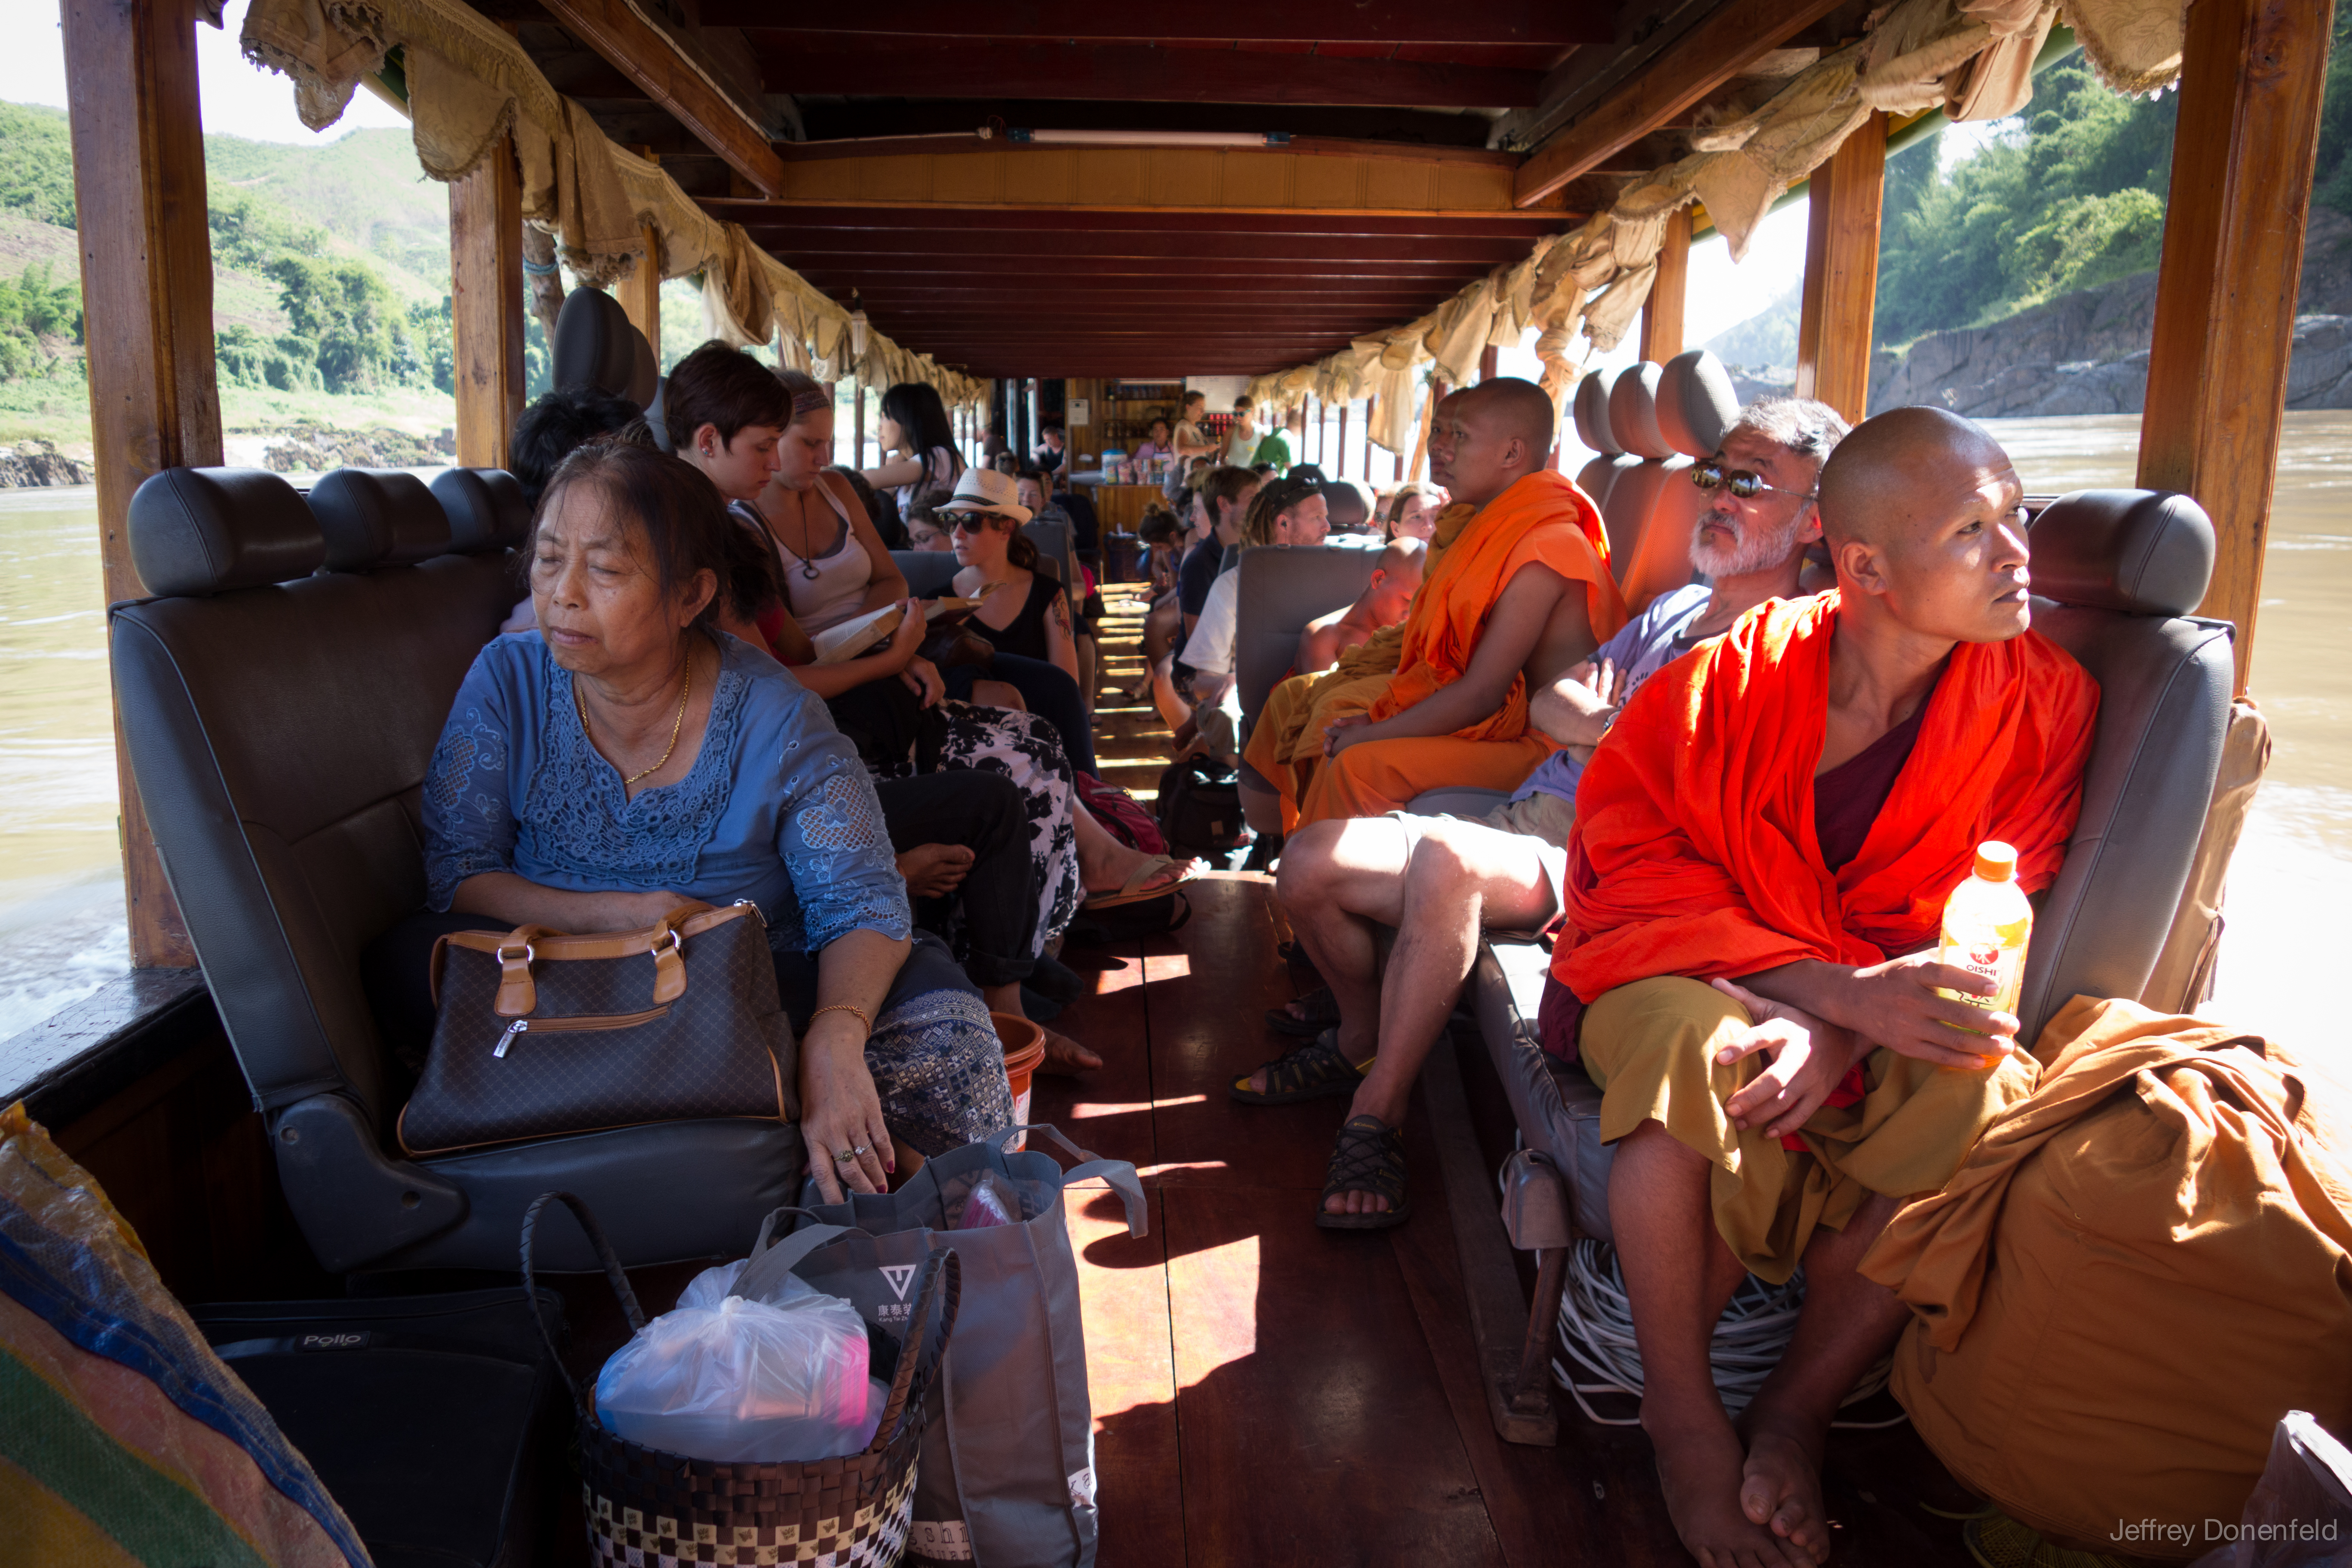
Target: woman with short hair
<point x="630" y="755"/>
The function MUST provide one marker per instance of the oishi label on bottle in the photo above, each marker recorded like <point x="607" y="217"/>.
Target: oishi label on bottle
<point x="1986" y="924"/>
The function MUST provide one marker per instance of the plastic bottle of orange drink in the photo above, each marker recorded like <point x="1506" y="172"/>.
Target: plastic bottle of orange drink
<point x="1987" y="923"/>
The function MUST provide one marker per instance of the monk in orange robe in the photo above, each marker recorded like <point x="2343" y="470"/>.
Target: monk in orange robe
<point x="1516" y="592"/>
<point x="1763" y="845"/>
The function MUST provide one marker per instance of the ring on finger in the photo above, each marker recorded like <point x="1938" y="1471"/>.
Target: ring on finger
<point x="844" y="1156"/>
<point x="865" y="1149"/>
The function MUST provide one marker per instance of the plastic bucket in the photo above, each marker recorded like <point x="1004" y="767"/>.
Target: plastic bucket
<point x="1025" y="1052"/>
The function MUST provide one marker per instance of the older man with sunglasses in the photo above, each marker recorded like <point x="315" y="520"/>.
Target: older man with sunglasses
<point x="1499" y="863"/>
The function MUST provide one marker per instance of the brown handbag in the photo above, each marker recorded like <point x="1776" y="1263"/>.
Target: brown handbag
<point x="538" y="1033"/>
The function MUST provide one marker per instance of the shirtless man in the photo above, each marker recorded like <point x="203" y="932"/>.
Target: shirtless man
<point x="1382" y="602"/>
<point x="1520" y="594"/>
<point x="1499" y="863"/>
<point x="1763" y="846"/>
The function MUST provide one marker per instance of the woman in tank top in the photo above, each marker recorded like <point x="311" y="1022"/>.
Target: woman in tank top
<point x="918" y="443"/>
<point x="830" y="557"/>
<point x="1026" y="613"/>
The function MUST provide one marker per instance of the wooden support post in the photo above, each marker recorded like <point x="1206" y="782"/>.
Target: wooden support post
<point x="858" y="421"/>
<point x="1490" y="359"/>
<point x="485" y="306"/>
<point x="1428" y="414"/>
<point x="147" y="304"/>
<point x="640" y="292"/>
<point x="1371" y="411"/>
<point x="1662" y="317"/>
<point x="1841" y="294"/>
<point x="1343" y="444"/>
<point x="2225" y="295"/>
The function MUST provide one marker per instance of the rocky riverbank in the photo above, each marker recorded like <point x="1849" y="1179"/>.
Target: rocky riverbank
<point x="2086" y="353"/>
<point x="37" y="465"/>
<point x="315" y="450"/>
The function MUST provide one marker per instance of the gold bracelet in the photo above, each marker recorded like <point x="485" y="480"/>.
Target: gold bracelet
<point x="843" y="1007"/>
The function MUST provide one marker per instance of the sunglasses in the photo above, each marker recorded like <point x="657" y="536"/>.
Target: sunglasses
<point x="973" y="521"/>
<point x="1712" y="475"/>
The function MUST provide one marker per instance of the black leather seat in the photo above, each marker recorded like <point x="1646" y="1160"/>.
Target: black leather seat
<point x="2116" y="573"/>
<point x="279" y="721"/>
<point x="1280" y="591"/>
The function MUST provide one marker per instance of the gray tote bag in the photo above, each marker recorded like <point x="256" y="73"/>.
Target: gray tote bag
<point x="1007" y="1475"/>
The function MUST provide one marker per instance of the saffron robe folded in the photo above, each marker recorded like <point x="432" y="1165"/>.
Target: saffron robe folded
<point x="1695" y="851"/>
<point x="1541" y="520"/>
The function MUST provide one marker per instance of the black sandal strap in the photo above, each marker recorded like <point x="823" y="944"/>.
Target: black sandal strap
<point x="1316" y="1069"/>
<point x="1369" y="1157"/>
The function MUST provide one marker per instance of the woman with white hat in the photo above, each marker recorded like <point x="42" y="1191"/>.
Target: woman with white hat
<point x="1025" y="612"/>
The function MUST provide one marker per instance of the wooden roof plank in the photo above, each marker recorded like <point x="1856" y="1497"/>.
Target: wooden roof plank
<point x="652" y="60"/>
<point x="1563" y="23"/>
<point x="1728" y="43"/>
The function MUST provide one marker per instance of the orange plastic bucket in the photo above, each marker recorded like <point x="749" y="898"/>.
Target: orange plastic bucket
<point x="1025" y="1052"/>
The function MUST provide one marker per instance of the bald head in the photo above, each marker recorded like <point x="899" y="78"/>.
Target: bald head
<point x="1901" y="472"/>
<point x="1403" y="558"/>
<point x="1484" y="438"/>
<point x="1514" y="407"/>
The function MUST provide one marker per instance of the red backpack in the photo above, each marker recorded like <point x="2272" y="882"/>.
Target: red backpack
<point x="1121" y="814"/>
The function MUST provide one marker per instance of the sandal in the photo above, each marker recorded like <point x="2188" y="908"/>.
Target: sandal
<point x="1368" y="1158"/>
<point x="1134" y="891"/>
<point x="1322" y="1011"/>
<point x="1316" y="1070"/>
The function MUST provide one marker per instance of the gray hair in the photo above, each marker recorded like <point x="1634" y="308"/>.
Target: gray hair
<point x="1799" y="425"/>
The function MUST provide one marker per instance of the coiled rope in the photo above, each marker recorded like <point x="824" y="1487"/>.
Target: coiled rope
<point x="1596" y="1333"/>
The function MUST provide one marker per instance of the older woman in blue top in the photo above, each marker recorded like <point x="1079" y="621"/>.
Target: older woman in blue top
<point x="626" y="756"/>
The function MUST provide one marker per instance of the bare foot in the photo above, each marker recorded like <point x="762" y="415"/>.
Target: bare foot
<point x="1780" y="1485"/>
<point x="934" y="870"/>
<point x="1065" y="1057"/>
<point x="1699" y="1469"/>
<point x="1106" y="869"/>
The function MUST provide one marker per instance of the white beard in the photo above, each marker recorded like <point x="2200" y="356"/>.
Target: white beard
<point x="1755" y="551"/>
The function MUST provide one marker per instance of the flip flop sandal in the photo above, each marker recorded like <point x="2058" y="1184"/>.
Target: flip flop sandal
<point x="1316" y="1070"/>
<point x="1368" y="1158"/>
<point x="1134" y="891"/>
<point x="1322" y="1011"/>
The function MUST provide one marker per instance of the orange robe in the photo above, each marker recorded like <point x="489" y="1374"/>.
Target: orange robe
<point x="1694" y="852"/>
<point x="1543" y="519"/>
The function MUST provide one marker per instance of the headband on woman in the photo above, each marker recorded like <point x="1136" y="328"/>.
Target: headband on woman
<point x="809" y="402"/>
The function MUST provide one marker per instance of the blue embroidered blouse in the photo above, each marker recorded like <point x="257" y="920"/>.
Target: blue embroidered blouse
<point x="777" y="808"/>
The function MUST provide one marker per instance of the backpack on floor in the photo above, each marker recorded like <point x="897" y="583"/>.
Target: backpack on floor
<point x="1200" y="807"/>
<point x="1121" y="814"/>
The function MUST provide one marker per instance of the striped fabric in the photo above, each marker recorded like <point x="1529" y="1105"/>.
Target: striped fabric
<point x="123" y="1440"/>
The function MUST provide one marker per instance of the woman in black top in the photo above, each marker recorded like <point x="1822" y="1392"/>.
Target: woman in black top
<point x="1025" y="612"/>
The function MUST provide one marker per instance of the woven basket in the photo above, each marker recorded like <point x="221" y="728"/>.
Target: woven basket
<point x="646" y="1507"/>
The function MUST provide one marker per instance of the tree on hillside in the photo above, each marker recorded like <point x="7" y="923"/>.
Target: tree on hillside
<point x="33" y="308"/>
<point x="353" y="325"/>
<point x="2069" y="197"/>
<point x="248" y="234"/>
<point x="36" y="164"/>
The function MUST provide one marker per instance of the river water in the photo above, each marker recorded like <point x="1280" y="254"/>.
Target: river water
<point x="62" y="931"/>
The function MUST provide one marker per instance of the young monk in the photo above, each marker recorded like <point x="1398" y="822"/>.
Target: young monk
<point x="1782" y="816"/>
<point x="1498" y="862"/>
<point x="1382" y="602"/>
<point x="1517" y="590"/>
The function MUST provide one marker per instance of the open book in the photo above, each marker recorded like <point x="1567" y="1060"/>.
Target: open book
<point x="861" y="633"/>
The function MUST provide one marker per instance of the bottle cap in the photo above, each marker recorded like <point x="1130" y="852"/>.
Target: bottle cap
<point x="1996" y="861"/>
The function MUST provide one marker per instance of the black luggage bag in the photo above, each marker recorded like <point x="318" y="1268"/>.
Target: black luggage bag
<point x="430" y="1419"/>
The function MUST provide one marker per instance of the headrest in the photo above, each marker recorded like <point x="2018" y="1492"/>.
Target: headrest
<point x="1593" y="415"/>
<point x="592" y="345"/>
<point x="1633" y="411"/>
<point x="2141" y="553"/>
<point x="1696" y="404"/>
<point x="486" y="508"/>
<point x="207" y="530"/>
<point x="656" y="419"/>
<point x="644" y="371"/>
<point x="1349" y="505"/>
<point x="378" y="517"/>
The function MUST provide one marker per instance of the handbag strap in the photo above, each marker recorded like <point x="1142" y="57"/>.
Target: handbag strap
<point x="604" y="1254"/>
<point x="934" y="1321"/>
<point x="516" y="951"/>
<point x="1118" y="1173"/>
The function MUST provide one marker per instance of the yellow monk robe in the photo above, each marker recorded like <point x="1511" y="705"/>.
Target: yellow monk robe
<point x="1543" y="519"/>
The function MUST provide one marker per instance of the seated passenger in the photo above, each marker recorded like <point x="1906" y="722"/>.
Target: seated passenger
<point x="1285" y="513"/>
<point x="1438" y="880"/>
<point x="1782" y="815"/>
<point x="1025" y="612"/>
<point x="544" y="435"/>
<point x="1516" y="591"/>
<point x="918" y="443"/>
<point x="1411" y="512"/>
<point x="926" y="531"/>
<point x="1383" y="602"/>
<point x="1218" y="509"/>
<point x="630" y="757"/>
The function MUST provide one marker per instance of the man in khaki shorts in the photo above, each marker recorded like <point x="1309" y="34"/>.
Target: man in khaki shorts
<point x="1497" y="863"/>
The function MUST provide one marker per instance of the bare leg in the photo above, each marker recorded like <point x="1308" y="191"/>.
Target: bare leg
<point x="1340" y="878"/>
<point x="1062" y="1054"/>
<point x="1105" y="864"/>
<point x="997" y="694"/>
<point x="1679" y="1277"/>
<point x="1261" y="808"/>
<point x="1461" y="876"/>
<point x="1089" y="672"/>
<point x="1847" y="1323"/>
<point x="1174" y="711"/>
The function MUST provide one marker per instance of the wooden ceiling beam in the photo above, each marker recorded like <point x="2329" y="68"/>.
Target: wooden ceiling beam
<point x="959" y="226"/>
<point x="1730" y="42"/>
<point x="791" y="246"/>
<point x="985" y="70"/>
<point x="653" y="59"/>
<point x="1402" y="21"/>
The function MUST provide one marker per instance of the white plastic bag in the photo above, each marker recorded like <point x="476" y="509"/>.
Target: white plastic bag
<point x="2301" y="1514"/>
<point x="725" y="1379"/>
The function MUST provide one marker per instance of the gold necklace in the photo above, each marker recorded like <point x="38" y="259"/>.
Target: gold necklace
<point x="677" y="725"/>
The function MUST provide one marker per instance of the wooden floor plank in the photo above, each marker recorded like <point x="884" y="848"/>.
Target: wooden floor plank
<point x="1131" y="1381"/>
<point x="1313" y="1426"/>
<point x="1108" y="1110"/>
